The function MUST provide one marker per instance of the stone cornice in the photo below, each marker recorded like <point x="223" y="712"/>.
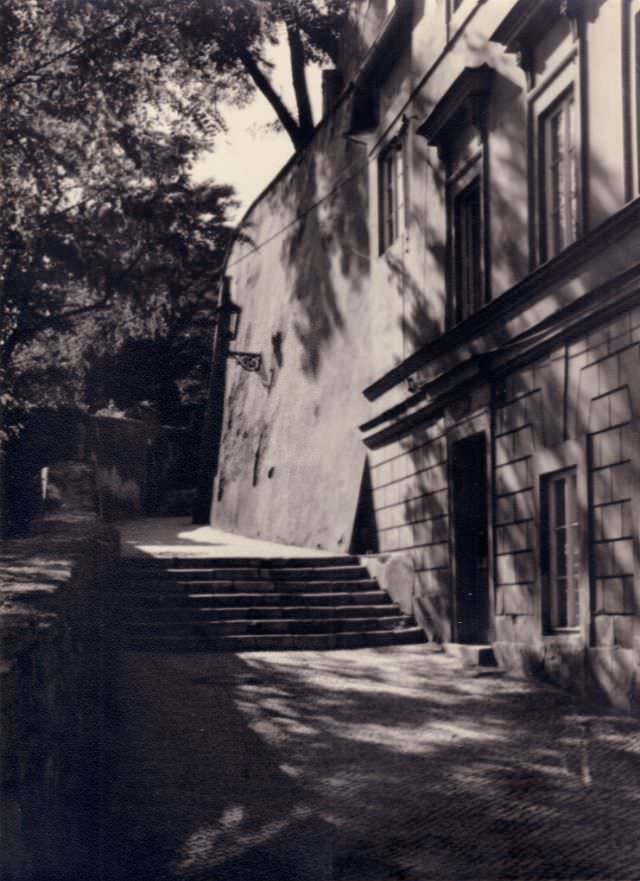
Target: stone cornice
<point x="528" y="18"/>
<point x="567" y="324"/>
<point x="532" y="288"/>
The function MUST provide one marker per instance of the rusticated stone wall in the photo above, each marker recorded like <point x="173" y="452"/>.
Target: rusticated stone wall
<point x="578" y="407"/>
<point x="54" y="654"/>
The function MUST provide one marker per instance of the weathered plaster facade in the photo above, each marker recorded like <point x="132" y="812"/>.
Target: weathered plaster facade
<point x="482" y="288"/>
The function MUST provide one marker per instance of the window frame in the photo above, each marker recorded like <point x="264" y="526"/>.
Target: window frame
<point x="561" y="604"/>
<point x="458" y="126"/>
<point x="391" y="193"/>
<point x="562" y="81"/>
<point x="464" y="172"/>
<point x="631" y="92"/>
<point x="564" y="107"/>
<point x="635" y="91"/>
<point x="466" y="301"/>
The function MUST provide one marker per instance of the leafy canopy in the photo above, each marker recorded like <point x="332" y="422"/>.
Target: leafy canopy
<point x="105" y="105"/>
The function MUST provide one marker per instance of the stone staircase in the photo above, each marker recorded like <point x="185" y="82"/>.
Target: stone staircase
<point x="187" y="604"/>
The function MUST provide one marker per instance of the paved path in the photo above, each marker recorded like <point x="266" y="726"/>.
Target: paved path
<point x="177" y="536"/>
<point x="369" y="765"/>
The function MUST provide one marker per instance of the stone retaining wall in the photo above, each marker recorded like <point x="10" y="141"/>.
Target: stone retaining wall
<point x="54" y="652"/>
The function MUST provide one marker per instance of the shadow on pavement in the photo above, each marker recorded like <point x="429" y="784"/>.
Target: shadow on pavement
<point x="194" y="792"/>
<point x="370" y="765"/>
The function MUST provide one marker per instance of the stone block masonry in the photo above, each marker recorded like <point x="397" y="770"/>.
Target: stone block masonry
<point x="54" y="651"/>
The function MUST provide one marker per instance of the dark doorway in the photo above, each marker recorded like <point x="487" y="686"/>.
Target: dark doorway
<point x="469" y="486"/>
<point x="364" y="537"/>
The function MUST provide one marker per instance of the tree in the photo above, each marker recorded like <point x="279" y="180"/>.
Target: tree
<point x="311" y="30"/>
<point x="182" y="235"/>
<point x="110" y="101"/>
<point x="233" y="38"/>
<point x="104" y="107"/>
<point x="162" y="253"/>
<point x="102" y="111"/>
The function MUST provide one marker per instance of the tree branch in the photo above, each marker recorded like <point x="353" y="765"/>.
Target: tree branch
<point x="262" y="82"/>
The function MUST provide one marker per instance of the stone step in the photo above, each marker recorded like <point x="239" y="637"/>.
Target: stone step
<point x="176" y="588"/>
<point x="278" y="642"/>
<point x="258" y="613"/>
<point x="249" y="599"/>
<point x="247" y="573"/>
<point x="283" y="626"/>
<point x="321" y="573"/>
<point x="471" y="655"/>
<point x="237" y="604"/>
<point x="135" y="564"/>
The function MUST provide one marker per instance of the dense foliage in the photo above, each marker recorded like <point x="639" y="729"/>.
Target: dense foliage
<point x="100" y="124"/>
<point x="105" y="104"/>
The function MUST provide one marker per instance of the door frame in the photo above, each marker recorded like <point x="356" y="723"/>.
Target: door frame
<point x="478" y="426"/>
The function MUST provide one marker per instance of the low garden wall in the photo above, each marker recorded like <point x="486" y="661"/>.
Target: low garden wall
<point x="54" y="656"/>
<point x="141" y="467"/>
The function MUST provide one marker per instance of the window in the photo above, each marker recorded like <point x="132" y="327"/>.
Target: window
<point x="561" y="551"/>
<point x="549" y="41"/>
<point x="391" y="177"/>
<point x="632" y="90"/>
<point x="559" y="176"/>
<point x="458" y="127"/>
<point x="467" y="229"/>
<point x="636" y="101"/>
<point x="467" y="237"/>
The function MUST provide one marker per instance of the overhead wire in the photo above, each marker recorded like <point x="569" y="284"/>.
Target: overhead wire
<point x="358" y="167"/>
<point x="373" y="150"/>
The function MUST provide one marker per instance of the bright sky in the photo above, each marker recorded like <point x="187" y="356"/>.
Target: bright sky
<point x="249" y="155"/>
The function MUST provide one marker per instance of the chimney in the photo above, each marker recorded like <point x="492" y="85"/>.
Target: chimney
<point x="331" y="89"/>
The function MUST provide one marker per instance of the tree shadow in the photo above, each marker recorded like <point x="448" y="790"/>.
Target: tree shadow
<point x="194" y="792"/>
<point x="328" y="245"/>
<point x="476" y="784"/>
<point x="582" y="390"/>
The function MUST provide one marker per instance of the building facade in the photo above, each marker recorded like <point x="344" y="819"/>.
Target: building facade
<point x="444" y="289"/>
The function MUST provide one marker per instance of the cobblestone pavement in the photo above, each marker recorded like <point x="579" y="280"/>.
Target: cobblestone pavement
<point x="369" y="765"/>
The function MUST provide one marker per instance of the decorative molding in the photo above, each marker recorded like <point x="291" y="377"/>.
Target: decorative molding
<point x="459" y="407"/>
<point x="459" y="385"/>
<point x="464" y="103"/>
<point x="434" y="391"/>
<point x="450" y="392"/>
<point x="253" y="362"/>
<point x="528" y="20"/>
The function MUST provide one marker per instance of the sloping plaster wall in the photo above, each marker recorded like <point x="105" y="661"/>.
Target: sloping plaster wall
<point x="292" y="457"/>
<point x="330" y="314"/>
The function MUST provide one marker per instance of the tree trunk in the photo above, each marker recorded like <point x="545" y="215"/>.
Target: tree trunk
<point x="262" y="82"/>
<point x="299" y="79"/>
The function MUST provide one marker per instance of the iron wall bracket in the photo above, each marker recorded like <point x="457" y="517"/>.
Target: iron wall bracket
<point x="250" y="361"/>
